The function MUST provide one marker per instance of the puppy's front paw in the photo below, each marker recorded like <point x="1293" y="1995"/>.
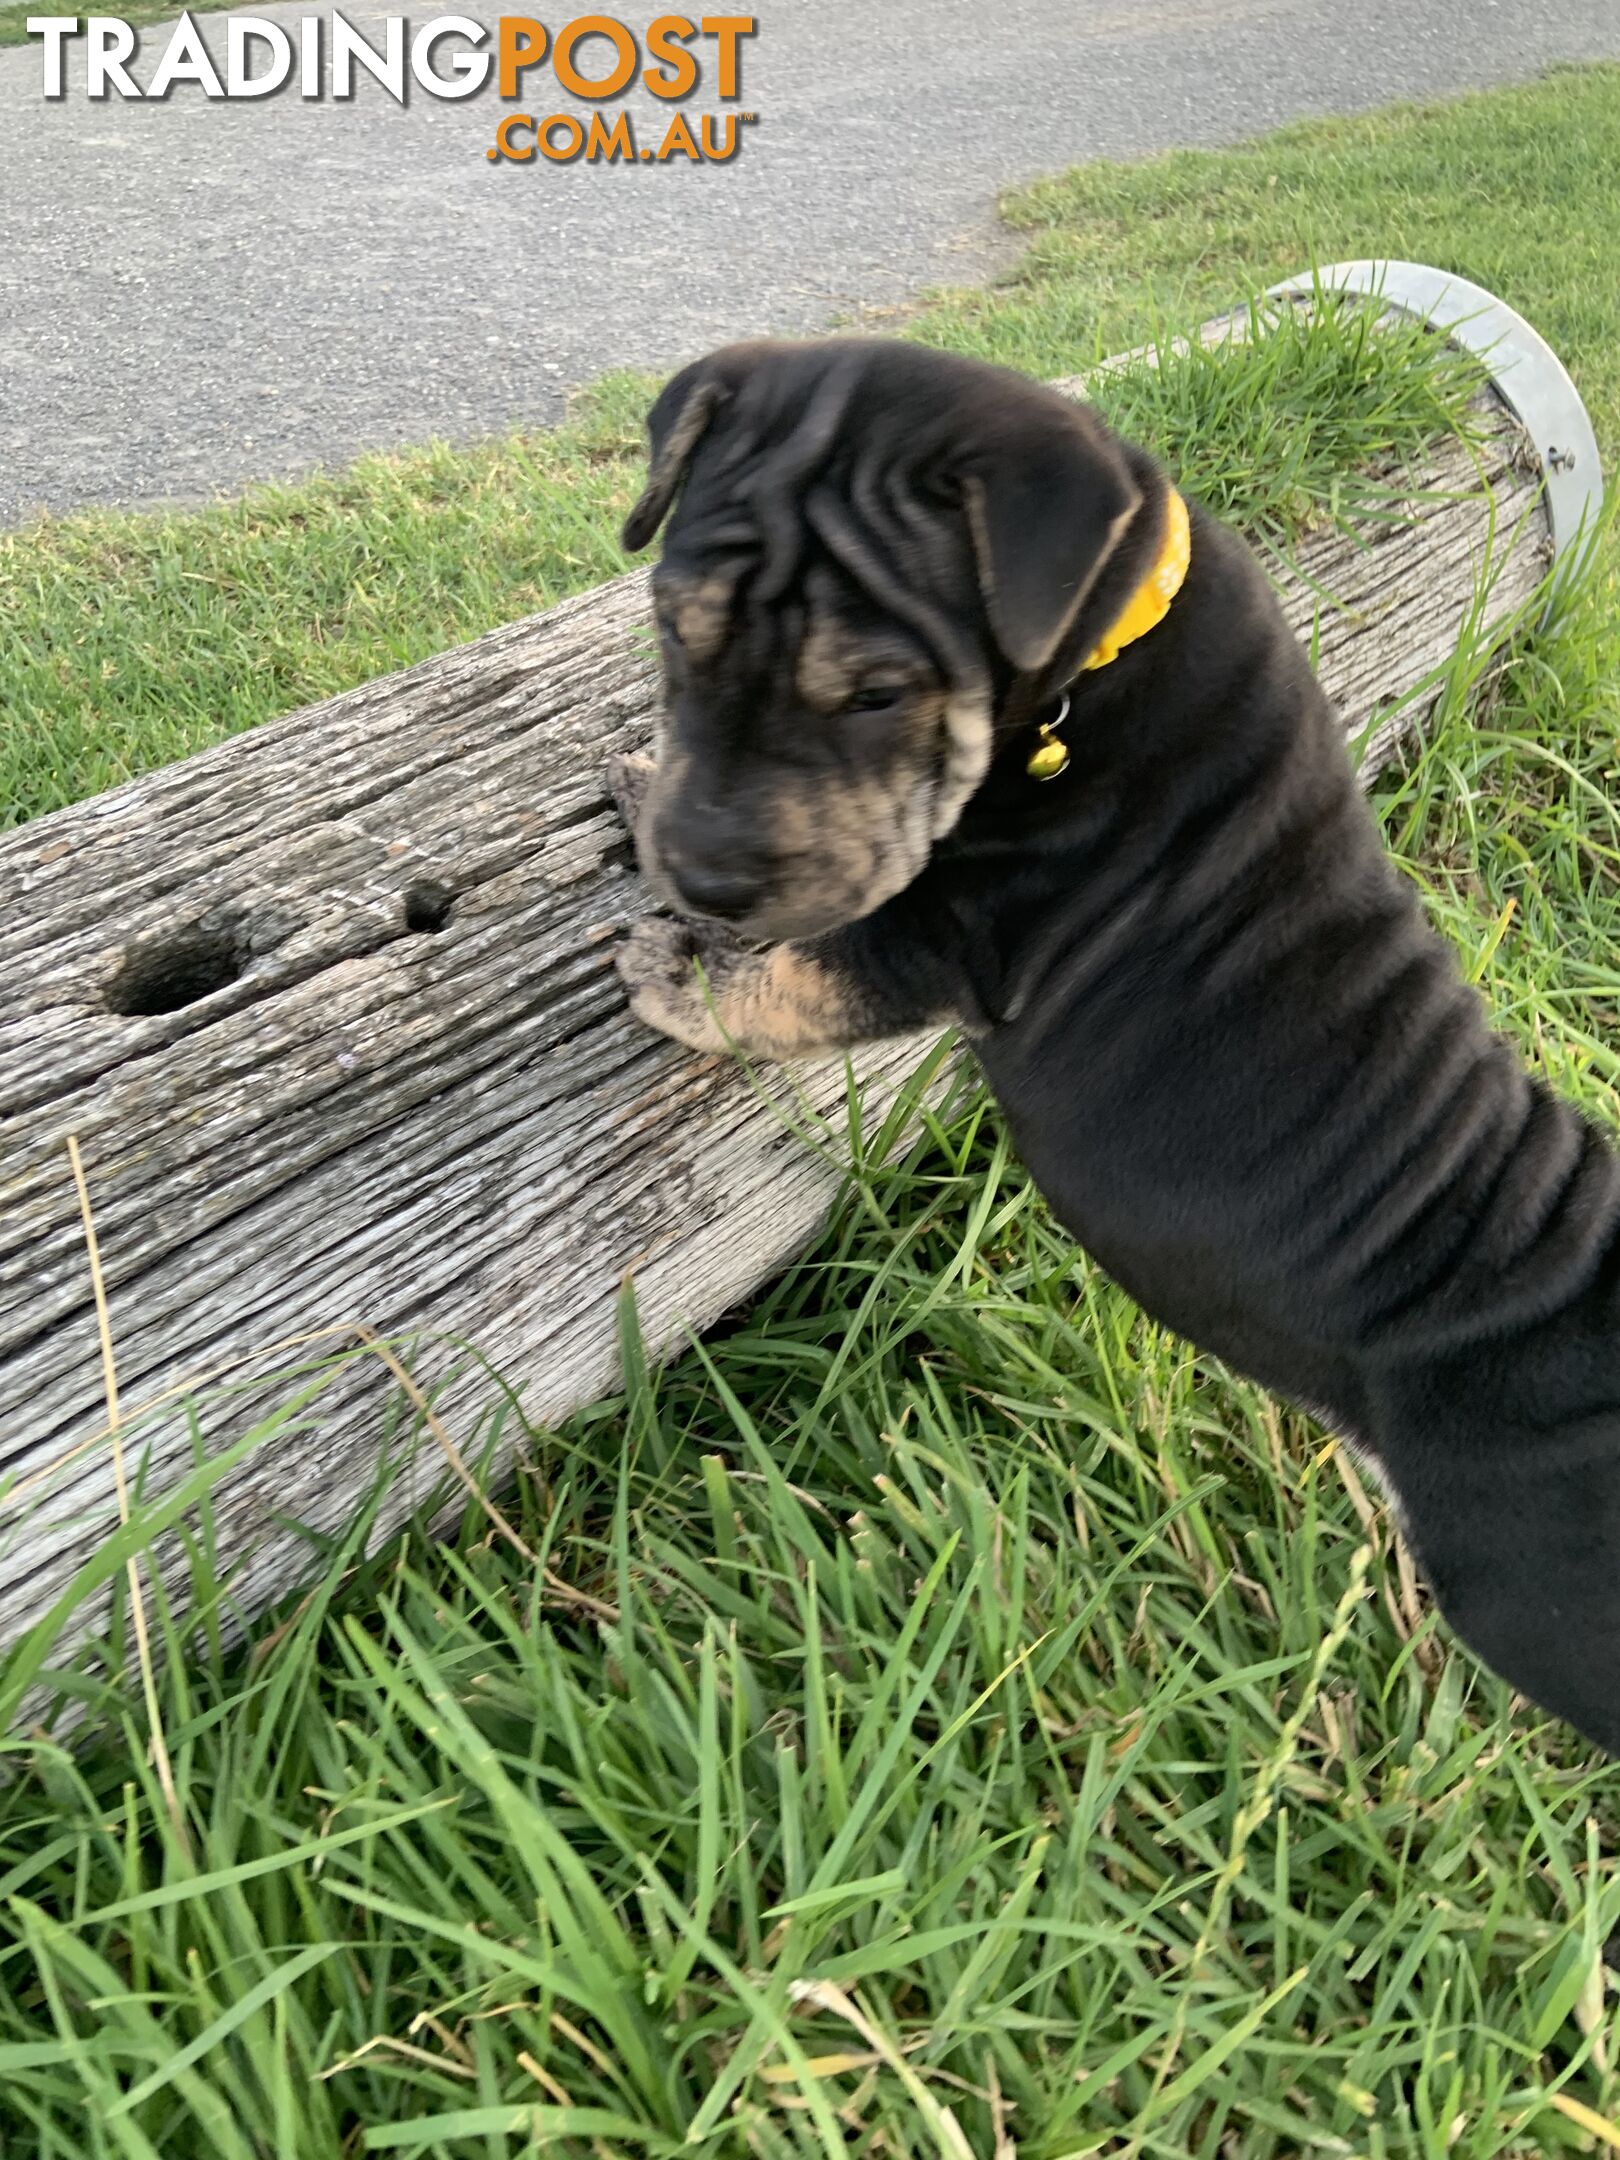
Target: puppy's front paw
<point x="657" y="954"/>
<point x="655" y="963"/>
<point x="629" y="775"/>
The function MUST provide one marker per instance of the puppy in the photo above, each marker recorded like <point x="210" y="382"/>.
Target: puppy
<point x="970" y="720"/>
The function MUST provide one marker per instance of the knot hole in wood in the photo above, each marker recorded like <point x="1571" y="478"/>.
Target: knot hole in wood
<point x="428" y="906"/>
<point x="168" y="972"/>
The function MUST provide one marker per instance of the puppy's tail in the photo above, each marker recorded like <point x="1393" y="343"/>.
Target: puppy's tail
<point x="1518" y="1534"/>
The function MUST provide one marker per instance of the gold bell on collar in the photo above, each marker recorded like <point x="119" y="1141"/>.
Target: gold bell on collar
<point x="1051" y="754"/>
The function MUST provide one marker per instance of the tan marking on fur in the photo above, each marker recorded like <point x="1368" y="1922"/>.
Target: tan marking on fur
<point x="784" y="1005"/>
<point x="699" y="609"/>
<point x="828" y="670"/>
<point x="679" y="1012"/>
<point x="969" y="730"/>
<point x="838" y="825"/>
<point x="776" y="1004"/>
<point x="668" y="778"/>
<point x="794" y="822"/>
<point x="917" y="807"/>
<point x="847" y="839"/>
<point x="704" y="618"/>
<point x="670" y="774"/>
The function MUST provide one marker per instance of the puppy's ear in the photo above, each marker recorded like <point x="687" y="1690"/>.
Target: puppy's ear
<point x="675" y="426"/>
<point x="1047" y="506"/>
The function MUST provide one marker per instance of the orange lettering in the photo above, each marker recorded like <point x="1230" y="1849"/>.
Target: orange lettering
<point x="666" y="41"/>
<point x="711" y="149"/>
<point x="523" y="43"/>
<point x="611" y="143"/>
<point x="575" y="143"/>
<point x="680" y="138"/>
<point x="503" y="139"/>
<point x="624" y="45"/>
<point x="728" y="29"/>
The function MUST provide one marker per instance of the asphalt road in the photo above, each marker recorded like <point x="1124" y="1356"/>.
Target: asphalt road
<point x="196" y="294"/>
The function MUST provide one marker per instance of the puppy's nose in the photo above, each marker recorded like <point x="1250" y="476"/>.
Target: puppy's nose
<point x="726" y="890"/>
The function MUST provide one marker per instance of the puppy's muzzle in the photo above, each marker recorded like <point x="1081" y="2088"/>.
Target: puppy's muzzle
<point x="710" y="865"/>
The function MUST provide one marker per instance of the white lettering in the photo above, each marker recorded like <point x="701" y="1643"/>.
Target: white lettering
<point x="111" y="43"/>
<point x="55" y="30"/>
<point x="471" y="69"/>
<point x="240" y="81"/>
<point x="309" y="56"/>
<point x="388" y="66"/>
<point x="185" y="59"/>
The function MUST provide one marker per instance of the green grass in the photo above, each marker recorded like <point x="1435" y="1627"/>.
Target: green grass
<point x="128" y="640"/>
<point x="965" y="1734"/>
<point x="1310" y="418"/>
<point x="142" y="13"/>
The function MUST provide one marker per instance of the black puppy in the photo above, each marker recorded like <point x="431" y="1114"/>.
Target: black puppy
<point x="960" y="712"/>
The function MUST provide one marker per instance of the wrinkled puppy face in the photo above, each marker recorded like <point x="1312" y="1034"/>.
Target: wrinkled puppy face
<point x="804" y="761"/>
<point x="872" y="544"/>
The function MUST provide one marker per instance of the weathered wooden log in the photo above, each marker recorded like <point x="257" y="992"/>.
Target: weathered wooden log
<point x="331" y="1012"/>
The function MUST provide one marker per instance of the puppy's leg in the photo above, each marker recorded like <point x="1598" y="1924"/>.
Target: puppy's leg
<point x="785" y="1002"/>
<point x="1518" y="1533"/>
<point x="707" y="989"/>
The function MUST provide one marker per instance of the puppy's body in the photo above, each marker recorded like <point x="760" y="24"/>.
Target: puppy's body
<point x="1250" y="1080"/>
<point x="1247" y="1076"/>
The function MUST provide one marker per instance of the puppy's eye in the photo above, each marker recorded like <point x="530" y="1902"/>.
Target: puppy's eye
<point x="876" y="698"/>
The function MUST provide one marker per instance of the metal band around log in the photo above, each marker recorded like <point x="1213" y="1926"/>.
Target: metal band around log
<point x="1526" y="372"/>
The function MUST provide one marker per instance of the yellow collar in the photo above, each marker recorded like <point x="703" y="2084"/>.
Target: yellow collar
<point x="1145" y="610"/>
<point x="1150" y="603"/>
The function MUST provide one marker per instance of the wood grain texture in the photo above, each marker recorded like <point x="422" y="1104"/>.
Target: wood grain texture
<point x="403" y="1090"/>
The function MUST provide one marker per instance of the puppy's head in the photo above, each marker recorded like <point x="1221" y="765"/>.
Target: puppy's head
<point x="873" y="549"/>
